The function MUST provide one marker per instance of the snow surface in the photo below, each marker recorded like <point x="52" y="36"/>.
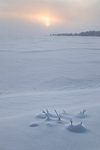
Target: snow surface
<point x="45" y="82"/>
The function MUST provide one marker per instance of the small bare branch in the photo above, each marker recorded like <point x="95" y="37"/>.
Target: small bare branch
<point x="71" y="122"/>
<point x="58" y="116"/>
<point x="46" y="113"/>
<point x="81" y="124"/>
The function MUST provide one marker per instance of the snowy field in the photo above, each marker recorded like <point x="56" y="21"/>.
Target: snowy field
<point x="50" y="93"/>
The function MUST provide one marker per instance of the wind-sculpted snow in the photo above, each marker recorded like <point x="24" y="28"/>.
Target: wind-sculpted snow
<point x="77" y="128"/>
<point x="63" y="83"/>
<point x="50" y="92"/>
<point x="82" y="114"/>
<point x="34" y="124"/>
<point x="50" y="120"/>
<point x="62" y="119"/>
<point x="48" y="64"/>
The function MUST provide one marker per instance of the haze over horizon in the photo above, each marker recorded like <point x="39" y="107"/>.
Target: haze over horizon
<point x="48" y="16"/>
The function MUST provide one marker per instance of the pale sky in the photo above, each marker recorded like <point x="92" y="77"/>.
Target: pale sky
<point x="49" y="16"/>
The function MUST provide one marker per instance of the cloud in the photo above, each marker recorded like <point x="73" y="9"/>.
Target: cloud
<point x="69" y="12"/>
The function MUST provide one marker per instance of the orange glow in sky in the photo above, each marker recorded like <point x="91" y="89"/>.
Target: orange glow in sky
<point x="47" y="21"/>
<point x="41" y="18"/>
<point x="53" y="13"/>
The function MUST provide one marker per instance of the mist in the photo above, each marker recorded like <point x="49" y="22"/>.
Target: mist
<point x="18" y="16"/>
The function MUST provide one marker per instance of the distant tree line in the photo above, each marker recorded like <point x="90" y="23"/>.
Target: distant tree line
<point x="87" y="33"/>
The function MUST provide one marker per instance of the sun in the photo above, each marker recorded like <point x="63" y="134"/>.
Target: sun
<point x="47" y="21"/>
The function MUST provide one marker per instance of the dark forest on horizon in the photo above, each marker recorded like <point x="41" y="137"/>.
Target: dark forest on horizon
<point x="87" y="33"/>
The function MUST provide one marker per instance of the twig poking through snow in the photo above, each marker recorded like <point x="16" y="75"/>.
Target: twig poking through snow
<point x="58" y="116"/>
<point x="46" y="113"/>
<point x="81" y="124"/>
<point x="71" y="122"/>
<point x="83" y="112"/>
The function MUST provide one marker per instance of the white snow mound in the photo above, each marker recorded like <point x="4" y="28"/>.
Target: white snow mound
<point x="78" y="128"/>
<point x="34" y="124"/>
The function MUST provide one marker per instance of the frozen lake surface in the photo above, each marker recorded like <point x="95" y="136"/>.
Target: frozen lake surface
<point x="41" y="74"/>
<point x="49" y="63"/>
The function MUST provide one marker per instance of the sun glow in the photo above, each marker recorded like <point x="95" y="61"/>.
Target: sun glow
<point x="46" y="20"/>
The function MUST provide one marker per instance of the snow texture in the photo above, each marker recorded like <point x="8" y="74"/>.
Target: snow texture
<point x="50" y="93"/>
